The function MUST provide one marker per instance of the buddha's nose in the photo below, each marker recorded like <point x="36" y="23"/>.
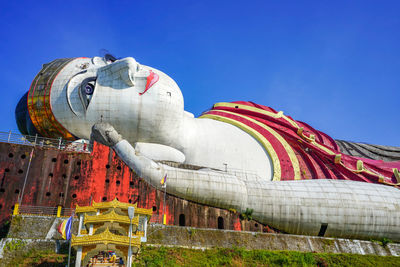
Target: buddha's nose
<point x="126" y="69"/>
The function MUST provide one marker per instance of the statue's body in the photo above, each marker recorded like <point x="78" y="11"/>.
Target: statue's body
<point x="250" y="157"/>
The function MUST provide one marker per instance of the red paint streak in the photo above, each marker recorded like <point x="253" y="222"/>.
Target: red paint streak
<point x="151" y="80"/>
<point x="237" y="225"/>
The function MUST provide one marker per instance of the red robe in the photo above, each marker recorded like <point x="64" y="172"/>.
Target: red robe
<point x="297" y="150"/>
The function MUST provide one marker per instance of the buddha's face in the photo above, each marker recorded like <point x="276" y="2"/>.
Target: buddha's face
<point x="139" y="101"/>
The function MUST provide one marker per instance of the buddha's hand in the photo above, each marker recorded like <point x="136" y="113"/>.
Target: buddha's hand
<point x="105" y="134"/>
<point x="143" y="166"/>
<point x="216" y="188"/>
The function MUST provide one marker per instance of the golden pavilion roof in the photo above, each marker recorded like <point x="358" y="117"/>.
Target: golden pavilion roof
<point x="109" y="217"/>
<point x="112" y="204"/>
<point x="105" y="237"/>
<point x="142" y="211"/>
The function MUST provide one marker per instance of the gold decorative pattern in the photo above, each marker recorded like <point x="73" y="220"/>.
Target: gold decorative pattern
<point x="106" y="216"/>
<point x="142" y="211"/>
<point x="396" y="174"/>
<point x="109" y="217"/>
<point x="39" y="106"/>
<point x="258" y="110"/>
<point x="84" y="209"/>
<point x="105" y="237"/>
<point x="113" y="204"/>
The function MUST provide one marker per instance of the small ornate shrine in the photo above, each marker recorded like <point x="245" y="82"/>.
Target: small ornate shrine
<point x="104" y="226"/>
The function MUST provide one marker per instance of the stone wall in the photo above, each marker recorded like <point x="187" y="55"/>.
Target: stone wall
<point x="37" y="227"/>
<point x="40" y="232"/>
<point x="25" y="245"/>
<point x="162" y="235"/>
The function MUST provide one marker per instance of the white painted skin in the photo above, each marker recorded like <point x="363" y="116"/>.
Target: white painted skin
<point x="157" y="116"/>
<point x="237" y="170"/>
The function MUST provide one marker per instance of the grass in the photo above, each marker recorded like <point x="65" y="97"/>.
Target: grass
<point x="163" y="256"/>
<point x="36" y="258"/>
<point x="151" y="256"/>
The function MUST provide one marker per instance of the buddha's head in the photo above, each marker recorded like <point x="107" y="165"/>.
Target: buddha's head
<point x="69" y="95"/>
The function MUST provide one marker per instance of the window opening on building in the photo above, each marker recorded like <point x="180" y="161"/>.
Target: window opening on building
<point x="181" y="219"/>
<point x="322" y="230"/>
<point x="220" y="223"/>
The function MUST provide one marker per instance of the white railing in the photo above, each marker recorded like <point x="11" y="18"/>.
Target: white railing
<point x="29" y="140"/>
<point x="156" y="218"/>
<point x="43" y="211"/>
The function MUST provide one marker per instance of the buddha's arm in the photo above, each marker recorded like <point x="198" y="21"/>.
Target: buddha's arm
<point x="205" y="186"/>
<point x="348" y="208"/>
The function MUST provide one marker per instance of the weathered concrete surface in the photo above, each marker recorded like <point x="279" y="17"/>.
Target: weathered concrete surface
<point x="377" y="152"/>
<point x="37" y="227"/>
<point x="208" y="238"/>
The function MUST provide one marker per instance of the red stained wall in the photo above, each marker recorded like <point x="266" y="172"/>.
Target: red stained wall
<point x="69" y="178"/>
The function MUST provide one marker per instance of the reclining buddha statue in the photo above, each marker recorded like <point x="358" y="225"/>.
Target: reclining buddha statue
<point x="242" y="155"/>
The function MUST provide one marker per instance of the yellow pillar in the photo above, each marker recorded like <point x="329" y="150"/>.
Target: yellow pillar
<point x="59" y="208"/>
<point x="16" y="209"/>
<point x="165" y="219"/>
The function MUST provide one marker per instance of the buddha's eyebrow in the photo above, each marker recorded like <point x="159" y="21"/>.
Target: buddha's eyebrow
<point x="67" y="89"/>
<point x="76" y="74"/>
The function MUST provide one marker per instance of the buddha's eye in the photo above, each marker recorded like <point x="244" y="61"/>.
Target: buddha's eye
<point x="89" y="89"/>
<point x="86" y="90"/>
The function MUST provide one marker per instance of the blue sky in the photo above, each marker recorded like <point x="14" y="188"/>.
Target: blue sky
<point x="332" y="64"/>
